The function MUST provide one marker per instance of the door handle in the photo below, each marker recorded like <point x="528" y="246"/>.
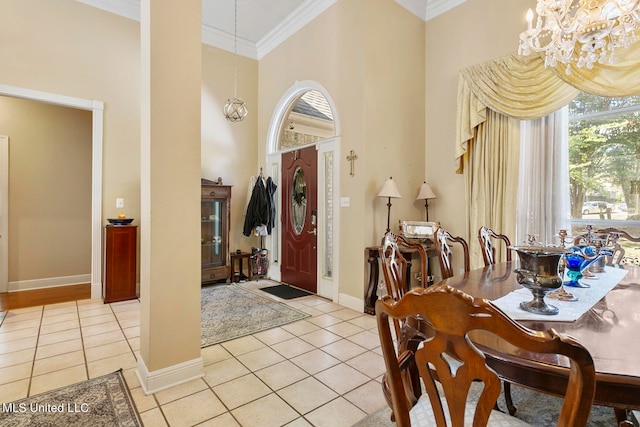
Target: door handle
<point x="314" y="231"/>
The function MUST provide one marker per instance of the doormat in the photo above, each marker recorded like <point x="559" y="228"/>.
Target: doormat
<point x="231" y="311"/>
<point x="286" y="291"/>
<point x="102" y="401"/>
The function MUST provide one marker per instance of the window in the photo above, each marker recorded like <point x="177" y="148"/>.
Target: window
<point x="604" y="164"/>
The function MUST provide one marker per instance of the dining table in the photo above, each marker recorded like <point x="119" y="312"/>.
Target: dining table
<point x="610" y="330"/>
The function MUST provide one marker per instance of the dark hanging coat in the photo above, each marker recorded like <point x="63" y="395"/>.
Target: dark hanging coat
<point x="258" y="208"/>
<point x="271" y="189"/>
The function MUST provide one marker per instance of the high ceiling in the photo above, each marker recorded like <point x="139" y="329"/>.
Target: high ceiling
<point x="262" y="24"/>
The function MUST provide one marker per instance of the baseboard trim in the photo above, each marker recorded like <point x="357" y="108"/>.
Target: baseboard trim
<point x="50" y="282"/>
<point x="162" y="379"/>
<point x="96" y="290"/>
<point x="353" y="303"/>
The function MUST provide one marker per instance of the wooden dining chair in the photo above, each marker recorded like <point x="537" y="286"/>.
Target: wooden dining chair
<point x="485" y="236"/>
<point x="442" y="241"/>
<point x="449" y="363"/>
<point x="410" y="332"/>
<point x="613" y="237"/>
<point x="394" y="265"/>
<point x="610" y="237"/>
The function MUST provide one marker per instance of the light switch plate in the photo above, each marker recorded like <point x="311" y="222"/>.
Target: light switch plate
<point x="345" y="202"/>
<point x="119" y="202"/>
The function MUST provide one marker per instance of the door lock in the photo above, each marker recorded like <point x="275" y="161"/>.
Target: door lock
<point x="314" y="231"/>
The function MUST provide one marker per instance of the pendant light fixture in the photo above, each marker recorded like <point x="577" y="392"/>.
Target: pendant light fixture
<point x="581" y="33"/>
<point x="235" y="110"/>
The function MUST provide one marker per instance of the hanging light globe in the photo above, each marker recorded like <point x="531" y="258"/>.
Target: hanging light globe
<point x="235" y="110"/>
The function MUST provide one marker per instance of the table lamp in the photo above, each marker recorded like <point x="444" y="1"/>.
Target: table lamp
<point x="389" y="190"/>
<point x="426" y="193"/>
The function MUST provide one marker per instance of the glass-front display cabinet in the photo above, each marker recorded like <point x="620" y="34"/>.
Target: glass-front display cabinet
<point x="215" y="213"/>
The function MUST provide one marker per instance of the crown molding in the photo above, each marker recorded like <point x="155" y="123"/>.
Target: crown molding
<point x="417" y="7"/>
<point x="127" y="8"/>
<point x="429" y="9"/>
<point x="438" y="7"/>
<point x="297" y="19"/>
<point x="301" y="16"/>
<point x="222" y="40"/>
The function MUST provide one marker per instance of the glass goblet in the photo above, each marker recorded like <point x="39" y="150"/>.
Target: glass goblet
<point x="576" y="262"/>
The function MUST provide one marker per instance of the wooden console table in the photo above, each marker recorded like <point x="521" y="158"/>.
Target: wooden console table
<point x="372" y="254"/>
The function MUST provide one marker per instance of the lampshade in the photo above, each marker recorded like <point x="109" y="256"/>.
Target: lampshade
<point x="390" y="189"/>
<point x="426" y="192"/>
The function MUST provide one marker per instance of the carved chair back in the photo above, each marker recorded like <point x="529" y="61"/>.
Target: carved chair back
<point x="485" y="236"/>
<point x="442" y="241"/>
<point x="610" y="237"/>
<point x="449" y="362"/>
<point x="395" y="269"/>
<point x="613" y="236"/>
<point x="395" y="266"/>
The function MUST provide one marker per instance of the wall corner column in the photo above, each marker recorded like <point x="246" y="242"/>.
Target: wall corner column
<point x="171" y="67"/>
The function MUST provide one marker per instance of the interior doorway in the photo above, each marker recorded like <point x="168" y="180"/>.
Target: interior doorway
<point x="305" y="118"/>
<point x="97" y="109"/>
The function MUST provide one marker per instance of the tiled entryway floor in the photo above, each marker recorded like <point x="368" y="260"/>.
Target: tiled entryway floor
<point x="324" y="370"/>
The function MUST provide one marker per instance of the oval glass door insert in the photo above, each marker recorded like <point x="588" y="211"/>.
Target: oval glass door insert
<point x="298" y="201"/>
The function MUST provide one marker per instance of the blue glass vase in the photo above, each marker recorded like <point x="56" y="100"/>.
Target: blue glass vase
<point x="580" y="258"/>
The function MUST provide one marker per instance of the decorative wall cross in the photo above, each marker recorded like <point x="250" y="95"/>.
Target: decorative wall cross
<point x="352" y="157"/>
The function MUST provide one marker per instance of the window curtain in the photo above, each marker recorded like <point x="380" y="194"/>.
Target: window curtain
<point x="516" y="86"/>
<point x="492" y="99"/>
<point x="544" y="176"/>
<point x="523" y="88"/>
<point x="491" y="163"/>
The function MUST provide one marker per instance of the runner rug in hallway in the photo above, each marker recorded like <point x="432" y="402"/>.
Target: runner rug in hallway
<point x="231" y="311"/>
<point x="100" y="402"/>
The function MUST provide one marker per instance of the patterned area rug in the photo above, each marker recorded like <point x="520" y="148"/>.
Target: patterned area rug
<point x="103" y="401"/>
<point x="539" y="410"/>
<point x="231" y="311"/>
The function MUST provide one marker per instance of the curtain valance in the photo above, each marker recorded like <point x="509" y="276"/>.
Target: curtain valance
<point x="523" y="88"/>
<point x="613" y="80"/>
<point x="516" y="86"/>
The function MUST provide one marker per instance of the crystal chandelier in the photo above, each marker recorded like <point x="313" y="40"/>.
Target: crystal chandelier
<point x="580" y="32"/>
<point x="235" y="110"/>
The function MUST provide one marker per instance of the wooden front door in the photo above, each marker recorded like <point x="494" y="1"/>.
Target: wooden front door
<point x="300" y="218"/>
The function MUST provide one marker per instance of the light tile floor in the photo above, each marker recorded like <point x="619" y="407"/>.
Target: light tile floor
<point x="324" y="370"/>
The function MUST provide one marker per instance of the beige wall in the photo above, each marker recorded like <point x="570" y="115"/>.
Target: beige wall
<point x="368" y="55"/>
<point x="229" y="149"/>
<point x="68" y="48"/>
<point x="49" y="189"/>
<point x="490" y="30"/>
